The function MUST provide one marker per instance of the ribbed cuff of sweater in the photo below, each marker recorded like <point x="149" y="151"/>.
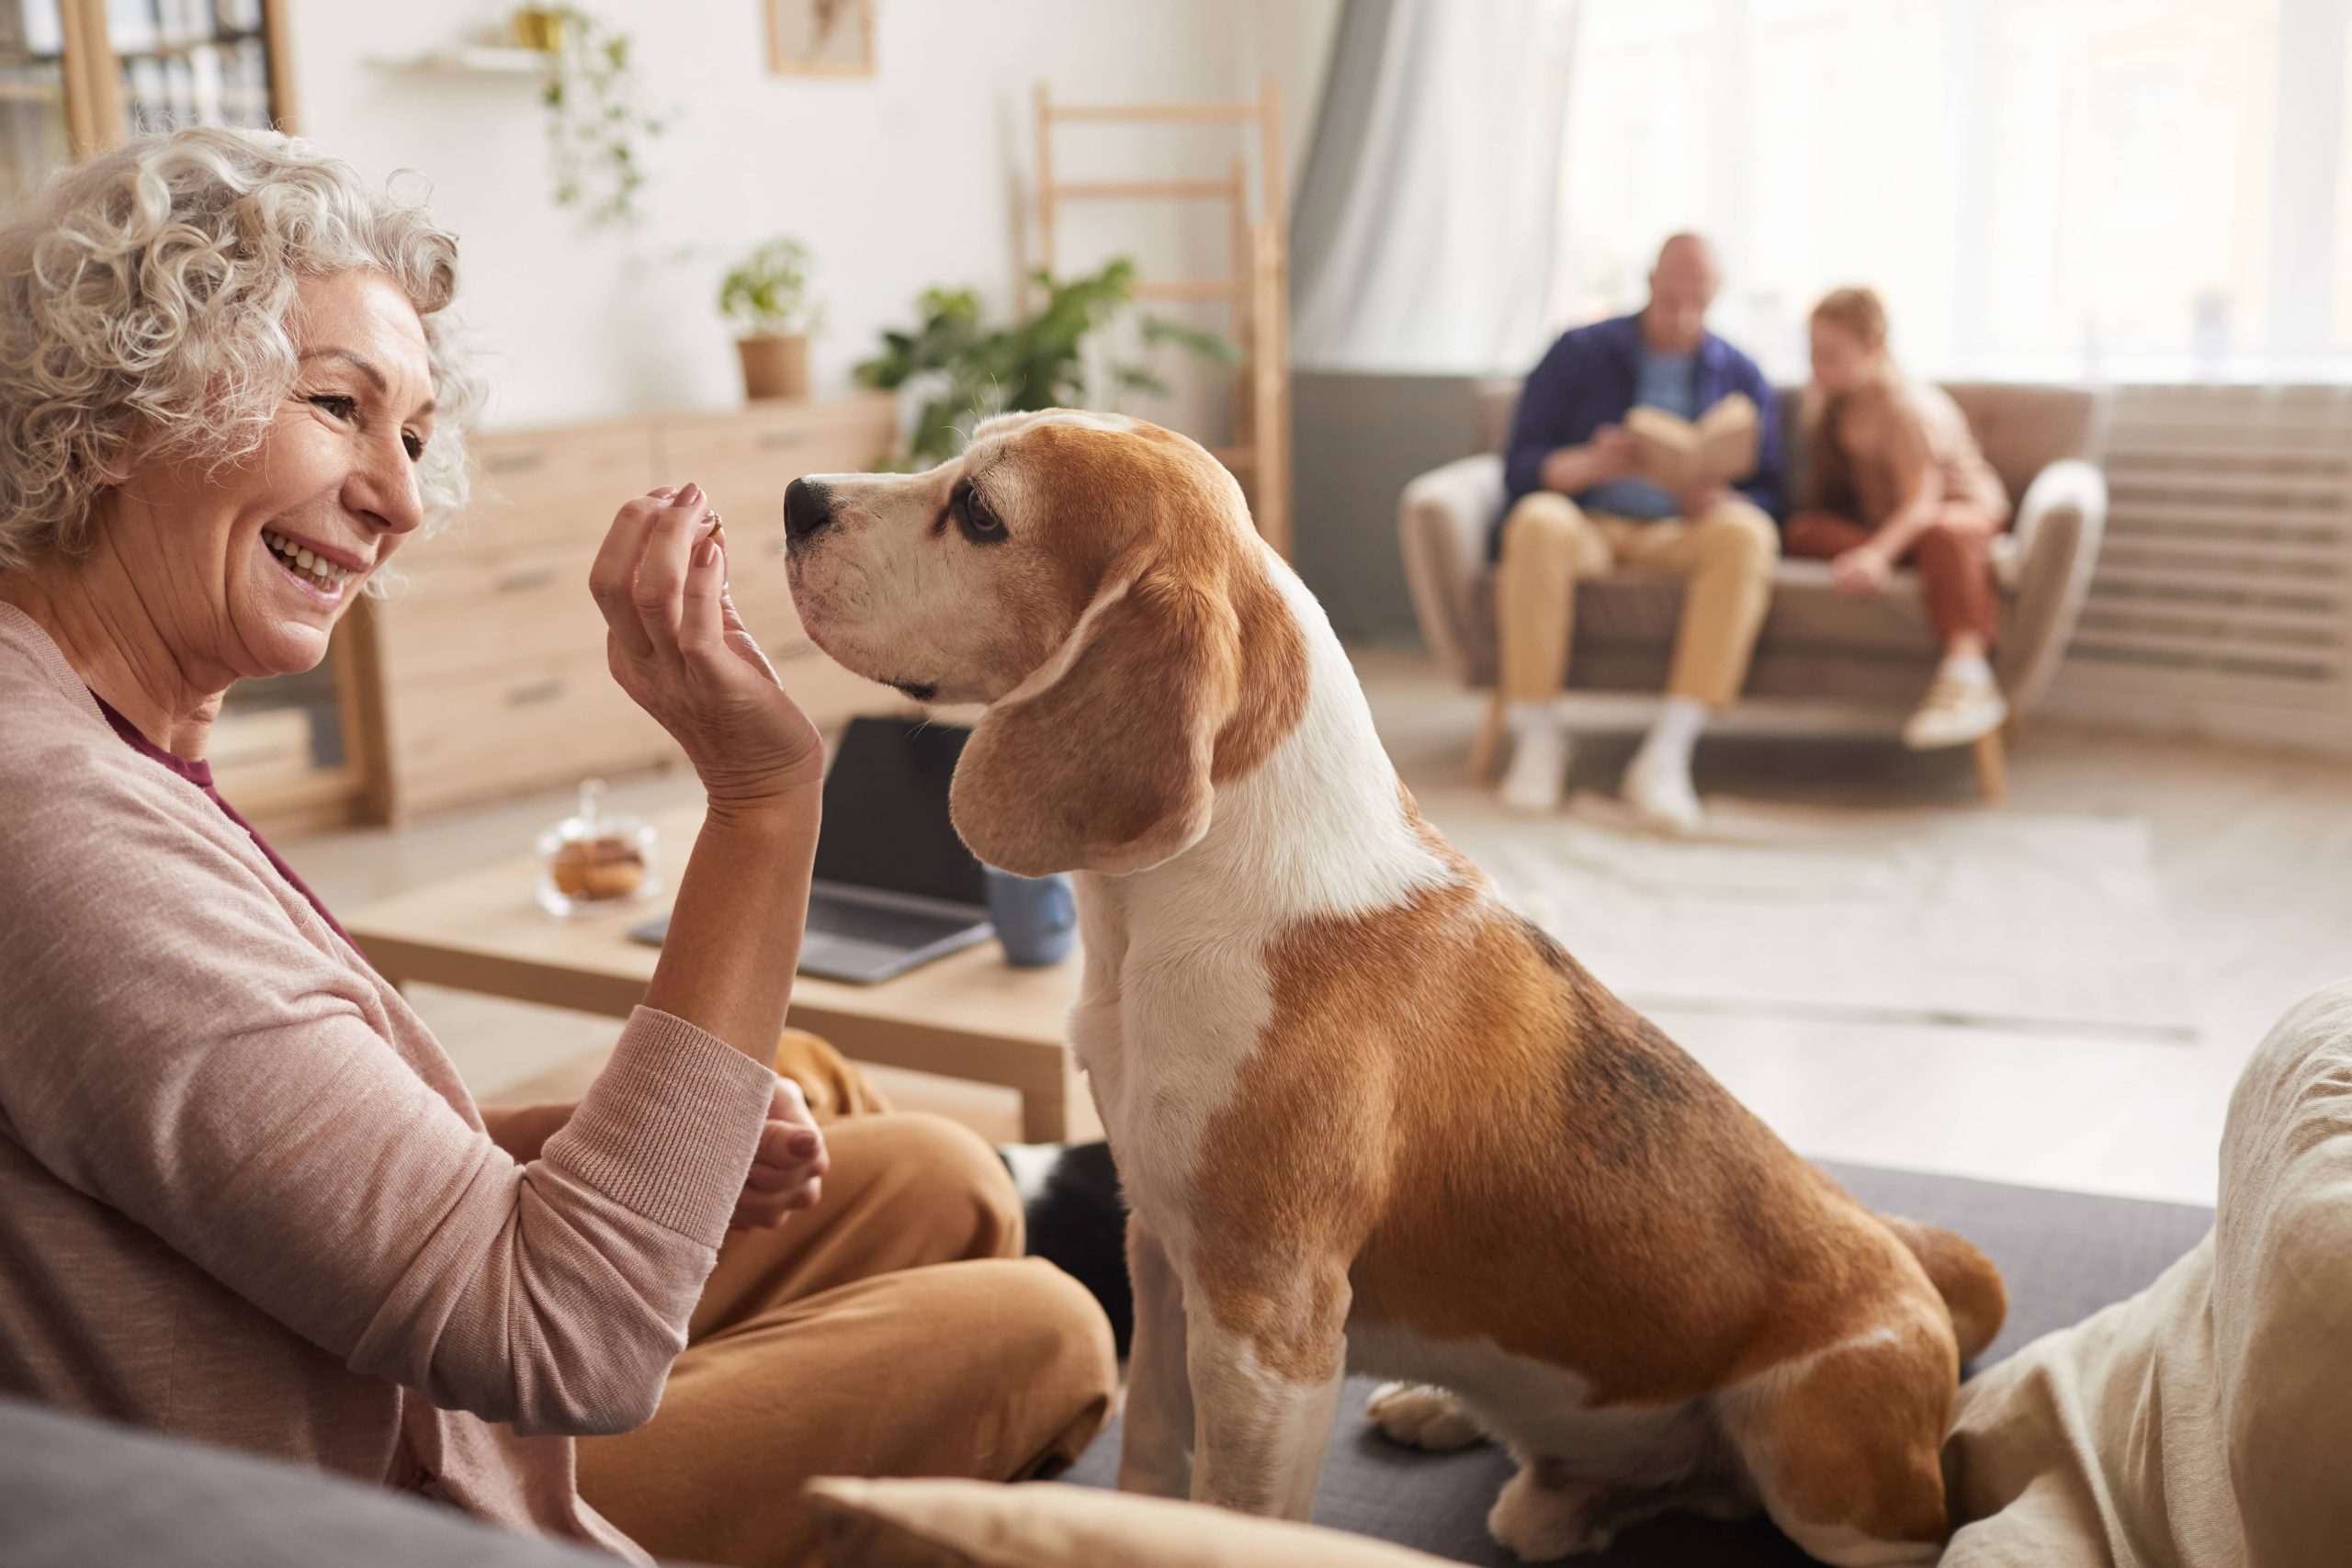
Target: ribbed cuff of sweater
<point x="669" y="1127"/>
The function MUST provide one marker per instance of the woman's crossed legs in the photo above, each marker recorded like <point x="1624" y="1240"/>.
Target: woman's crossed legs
<point x="894" y="1329"/>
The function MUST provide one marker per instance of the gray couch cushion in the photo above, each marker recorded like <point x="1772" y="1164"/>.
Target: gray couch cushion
<point x="2064" y="1255"/>
<point x="1816" y="642"/>
<point x="1641" y="610"/>
<point x="79" y="1493"/>
<point x="75" y="1491"/>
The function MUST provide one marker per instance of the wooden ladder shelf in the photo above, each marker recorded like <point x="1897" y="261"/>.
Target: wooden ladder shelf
<point x="1257" y="291"/>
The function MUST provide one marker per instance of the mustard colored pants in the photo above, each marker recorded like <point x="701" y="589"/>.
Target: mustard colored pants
<point x="893" y="1331"/>
<point x="1549" y="543"/>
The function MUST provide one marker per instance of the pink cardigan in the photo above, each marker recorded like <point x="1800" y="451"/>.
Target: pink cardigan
<point x="244" y="1197"/>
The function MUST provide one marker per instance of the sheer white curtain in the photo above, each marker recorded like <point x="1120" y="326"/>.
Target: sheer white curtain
<point x="2125" y="189"/>
<point x="1427" y="210"/>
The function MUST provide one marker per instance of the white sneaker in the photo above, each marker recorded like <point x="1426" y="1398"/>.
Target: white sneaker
<point x="1537" y="780"/>
<point x="1954" y="712"/>
<point x="1660" y="793"/>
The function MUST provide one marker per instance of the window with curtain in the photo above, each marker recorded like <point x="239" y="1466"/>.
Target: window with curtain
<point x="2096" y="189"/>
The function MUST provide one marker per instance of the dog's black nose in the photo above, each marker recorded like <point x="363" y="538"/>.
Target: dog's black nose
<point x="807" y="509"/>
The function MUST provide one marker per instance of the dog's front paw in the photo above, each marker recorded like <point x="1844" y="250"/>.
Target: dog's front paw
<point x="1421" y="1416"/>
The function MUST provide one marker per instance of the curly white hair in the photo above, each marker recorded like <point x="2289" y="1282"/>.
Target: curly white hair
<point x="145" y="296"/>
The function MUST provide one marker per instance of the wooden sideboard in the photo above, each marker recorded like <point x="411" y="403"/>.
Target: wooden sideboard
<point x="483" y="675"/>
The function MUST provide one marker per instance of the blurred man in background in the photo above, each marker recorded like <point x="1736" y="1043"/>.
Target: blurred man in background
<point x="1577" y="506"/>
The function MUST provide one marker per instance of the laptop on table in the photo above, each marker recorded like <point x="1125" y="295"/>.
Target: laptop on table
<point x="894" y="886"/>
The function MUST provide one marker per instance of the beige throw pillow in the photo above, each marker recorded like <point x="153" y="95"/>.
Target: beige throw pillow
<point x="972" y="1524"/>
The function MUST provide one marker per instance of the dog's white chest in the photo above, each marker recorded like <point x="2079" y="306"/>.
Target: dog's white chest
<point x="1165" y="1030"/>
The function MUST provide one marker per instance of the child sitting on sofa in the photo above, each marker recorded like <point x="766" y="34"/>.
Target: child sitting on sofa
<point x="1896" y="478"/>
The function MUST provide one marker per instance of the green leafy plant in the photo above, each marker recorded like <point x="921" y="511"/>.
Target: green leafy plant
<point x="597" y="120"/>
<point x="767" y="291"/>
<point x="967" y="371"/>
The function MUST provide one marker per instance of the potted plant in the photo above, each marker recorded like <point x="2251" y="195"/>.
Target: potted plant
<point x="957" y="372"/>
<point x="765" y="296"/>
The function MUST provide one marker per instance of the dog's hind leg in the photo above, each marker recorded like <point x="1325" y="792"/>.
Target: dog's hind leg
<point x="1156" y="1446"/>
<point x="1266" y="1372"/>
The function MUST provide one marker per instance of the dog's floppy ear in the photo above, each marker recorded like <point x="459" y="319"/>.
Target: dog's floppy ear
<point x="1100" y="763"/>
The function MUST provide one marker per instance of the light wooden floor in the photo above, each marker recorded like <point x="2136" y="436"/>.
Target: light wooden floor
<point x="2253" y="853"/>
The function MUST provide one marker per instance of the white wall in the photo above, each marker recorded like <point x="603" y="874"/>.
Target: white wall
<point x="915" y="176"/>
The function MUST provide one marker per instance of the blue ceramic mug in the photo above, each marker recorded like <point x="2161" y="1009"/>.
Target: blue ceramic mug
<point x="1036" y="917"/>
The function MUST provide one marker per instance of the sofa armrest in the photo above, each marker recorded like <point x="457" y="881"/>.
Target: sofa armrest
<point x="1442" y="520"/>
<point x="2059" y="526"/>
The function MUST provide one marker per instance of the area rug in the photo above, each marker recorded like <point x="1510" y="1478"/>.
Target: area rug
<point x="1981" y="917"/>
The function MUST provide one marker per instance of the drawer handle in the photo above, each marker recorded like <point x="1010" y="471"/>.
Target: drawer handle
<point x="777" y="440"/>
<point x="513" y="462"/>
<point x="535" y="693"/>
<point x="528" y="578"/>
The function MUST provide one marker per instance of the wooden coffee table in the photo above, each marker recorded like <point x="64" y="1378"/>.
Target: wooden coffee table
<point x="968" y="1016"/>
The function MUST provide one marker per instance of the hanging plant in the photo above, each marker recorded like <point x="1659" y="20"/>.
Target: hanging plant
<point x="597" y="121"/>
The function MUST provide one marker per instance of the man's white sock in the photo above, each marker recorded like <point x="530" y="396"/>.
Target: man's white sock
<point x="1969" y="668"/>
<point x="1676" y="730"/>
<point x="1538" y="716"/>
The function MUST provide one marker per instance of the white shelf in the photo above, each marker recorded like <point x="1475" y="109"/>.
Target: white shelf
<point x="483" y="59"/>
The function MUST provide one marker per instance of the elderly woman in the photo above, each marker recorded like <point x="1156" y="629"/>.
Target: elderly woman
<point x="243" y="1196"/>
<point x="1897" y="479"/>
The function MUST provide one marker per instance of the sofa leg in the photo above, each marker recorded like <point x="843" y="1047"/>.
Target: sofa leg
<point x="1992" y="767"/>
<point x="1490" y="735"/>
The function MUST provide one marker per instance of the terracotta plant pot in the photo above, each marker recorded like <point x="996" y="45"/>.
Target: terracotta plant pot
<point x="774" y="364"/>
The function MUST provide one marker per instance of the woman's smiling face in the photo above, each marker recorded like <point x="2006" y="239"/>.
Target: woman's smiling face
<point x="245" y="568"/>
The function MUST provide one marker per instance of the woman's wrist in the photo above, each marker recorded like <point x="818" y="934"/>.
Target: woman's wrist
<point x="734" y="936"/>
<point x="765" y="809"/>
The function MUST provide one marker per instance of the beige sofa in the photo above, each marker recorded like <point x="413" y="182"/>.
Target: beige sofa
<point x="1824" y="658"/>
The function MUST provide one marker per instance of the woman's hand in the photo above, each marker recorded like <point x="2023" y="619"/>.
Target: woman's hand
<point x="524" y="1130"/>
<point x="676" y="645"/>
<point x="788" y="1171"/>
<point x="1865" y="569"/>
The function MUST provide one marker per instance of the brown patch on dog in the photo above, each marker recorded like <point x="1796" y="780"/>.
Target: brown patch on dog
<point x="1496" y="1148"/>
<point x="1184" y="680"/>
<point x="1270" y="650"/>
<point x="1852" y="1443"/>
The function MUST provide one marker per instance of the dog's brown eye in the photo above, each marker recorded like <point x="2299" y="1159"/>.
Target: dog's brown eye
<point x="980" y="524"/>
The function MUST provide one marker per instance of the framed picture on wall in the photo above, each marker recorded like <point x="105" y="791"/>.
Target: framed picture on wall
<point x="820" y="38"/>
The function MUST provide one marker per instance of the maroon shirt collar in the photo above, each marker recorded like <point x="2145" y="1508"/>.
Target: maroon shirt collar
<point x="199" y="773"/>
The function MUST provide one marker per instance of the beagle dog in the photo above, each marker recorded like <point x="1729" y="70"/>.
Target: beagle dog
<point x="1366" y="1115"/>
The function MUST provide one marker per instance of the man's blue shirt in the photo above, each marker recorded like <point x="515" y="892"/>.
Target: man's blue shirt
<point x="1592" y="377"/>
<point x="1667" y="381"/>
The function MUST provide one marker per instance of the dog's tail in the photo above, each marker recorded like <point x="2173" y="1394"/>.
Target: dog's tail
<point x="1966" y="1277"/>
